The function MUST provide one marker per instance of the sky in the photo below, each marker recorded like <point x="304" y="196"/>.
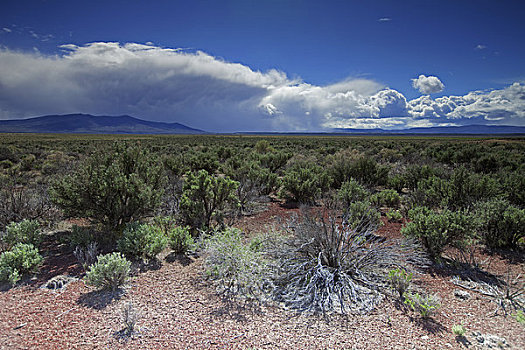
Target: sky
<point x="257" y="65"/>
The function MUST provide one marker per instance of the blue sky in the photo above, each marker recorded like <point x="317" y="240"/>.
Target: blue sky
<point x="321" y="64"/>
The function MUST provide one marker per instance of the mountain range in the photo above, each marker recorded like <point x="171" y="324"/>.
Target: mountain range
<point x="91" y="124"/>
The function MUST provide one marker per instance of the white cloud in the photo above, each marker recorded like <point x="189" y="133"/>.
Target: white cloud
<point x="505" y="106"/>
<point x="202" y="91"/>
<point x="140" y="80"/>
<point x="480" y="47"/>
<point x="7" y="30"/>
<point x="385" y="19"/>
<point x="428" y="85"/>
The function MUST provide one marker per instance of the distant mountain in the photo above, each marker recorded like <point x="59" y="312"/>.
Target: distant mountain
<point x="91" y="124"/>
<point x="447" y="130"/>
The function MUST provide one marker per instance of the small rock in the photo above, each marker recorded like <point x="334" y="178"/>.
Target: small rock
<point x="495" y="342"/>
<point x="425" y="337"/>
<point x="58" y="282"/>
<point x="461" y="294"/>
<point x="490" y="341"/>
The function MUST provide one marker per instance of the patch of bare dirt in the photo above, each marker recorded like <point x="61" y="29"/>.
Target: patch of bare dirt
<point x="179" y="310"/>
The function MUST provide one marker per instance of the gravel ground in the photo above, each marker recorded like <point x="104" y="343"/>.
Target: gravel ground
<point x="178" y="309"/>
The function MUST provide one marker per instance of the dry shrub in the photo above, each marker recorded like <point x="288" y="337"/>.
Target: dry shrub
<point x="343" y="266"/>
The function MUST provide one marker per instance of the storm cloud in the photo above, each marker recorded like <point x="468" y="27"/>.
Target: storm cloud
<point x="203" y="91"/>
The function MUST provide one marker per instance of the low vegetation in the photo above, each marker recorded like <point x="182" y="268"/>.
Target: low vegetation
<point x="134" y="198"/>
<point x="141" y="241"/>
<point x="20" y="260"/>
<point x="111" y="271"/>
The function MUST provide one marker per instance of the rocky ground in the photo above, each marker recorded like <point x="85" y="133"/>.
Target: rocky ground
<point x="178" y="309"/>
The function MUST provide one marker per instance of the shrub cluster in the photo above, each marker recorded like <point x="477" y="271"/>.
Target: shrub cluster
<point x="502" y="225"/>
<point x="180" y="239"/>
<point x="111" y="271"/>
<point x="21" y="259"/>
<point x="112" y="187"/>
<point x="389" y="198"/>
<point x="206" y="199"/>
<point x="303" y="182"/>
<point x="425" y="305"/>
<point x="436" y="230"/>
<point x="25" y="231"/>
<point x="81" y="236"/>
<point x="363" y="169"/>
<point x="142" y="241"/>
<point x="351" y="191"/>
<point x="400" y="280"/>
<point x="239" y="267"/>
<point x="394" y="216"/>
<point x="253" y="179"/>
<point x="30" y="202"/>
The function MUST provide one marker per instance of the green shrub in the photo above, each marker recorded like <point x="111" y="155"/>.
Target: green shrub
<point x="459" y="330"/>
<point x="81" y="236"/>
<point x="111" y="271"/>
<point x="237" y="267"/>
<point x="466" y="187"/>
<point x="6" y="164"/>
<point x="340" y="168"/>
<point x="175" y="164"/>
<point x="56" y="162"/>
<point x="27" y="162"/>
<point x="437" y="230"/>
<point x="359" y="213"/>
<point x="263" y="146"/>
<point x="389" y="198"/>
<point x="253" y="179"/>
<point x="203" y="160"/>
<point x="25" y="231"/>
<point x="514" y="187"/>
<point x="394" y="216"/>
<point x="180" y="239"/>
<point x="400" y="280"/>
<point x="29" y="202"/>
<point x="520" y="316"/>
<point x="461" y="190"/>
<point x="367" y="171"/>
<point x="416" y="173"/>
<point x="273" y="161"/>
<point x="425" y="305"/>
<point x="501" y="223"/>
<point x="112" y="187"/>
<point x="22" y="258"/>
<point x="363" y="169"/>
<point x="142" y="241"/>
<point x="431" y="192"/>
<point x="303" y="182"/>
<point x="206" y="198"/>
<point x="351" y="191"/>
<point x="396" y="182"/>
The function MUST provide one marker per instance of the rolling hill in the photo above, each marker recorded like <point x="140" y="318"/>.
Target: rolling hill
<point x="90" y="124"/>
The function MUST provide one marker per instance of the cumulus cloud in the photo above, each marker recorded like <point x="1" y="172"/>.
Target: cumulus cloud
<point x="480" y="47"/>
<point x="505" y="106"/>
<point x="428" y="85"/>
<point x="385" y="19"/>
<point x="202" y="91"/>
